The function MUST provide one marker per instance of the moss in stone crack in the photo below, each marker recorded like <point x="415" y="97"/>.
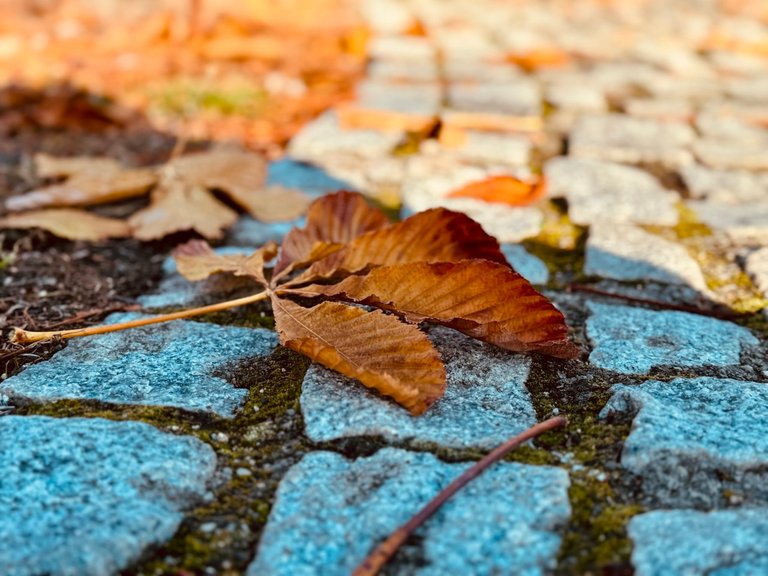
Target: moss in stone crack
<point x="596" y="540"/>
<point x="603" y="499"/>
<point x="261" y="444"/>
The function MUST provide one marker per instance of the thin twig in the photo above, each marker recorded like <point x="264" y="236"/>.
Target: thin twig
<point x="22" y="336"/>
<point x="384" y="551"/>
<point x="724" y="315"/>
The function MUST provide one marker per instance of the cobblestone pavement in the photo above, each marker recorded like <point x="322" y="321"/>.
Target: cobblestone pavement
<point x="205" y="448"/>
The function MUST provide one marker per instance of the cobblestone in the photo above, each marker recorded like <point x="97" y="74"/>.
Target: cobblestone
<point x="634" y="340"/>
<point x="485" y="401"/>
<point x="330" y="512"/>
<point x="695" y="441"/>
<point x="695" y="542"/>
<point x="600" y="191"/>
<point x="88" y="496"/>
<point x="165" y="365"/>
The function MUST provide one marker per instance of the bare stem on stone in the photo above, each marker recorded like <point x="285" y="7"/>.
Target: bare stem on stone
<point x="384" y="551"/>
<point x="21" y="336"/>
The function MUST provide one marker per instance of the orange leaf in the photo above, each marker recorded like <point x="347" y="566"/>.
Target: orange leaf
<point x="539" y="58"/>
<point x="69" y="223"/>
<point x="503" y="189"/>
<point x="436" y="235"/>
<point x="195" y="260"/>
<point x="483" y="299"/>
<point x="382" y="352"/>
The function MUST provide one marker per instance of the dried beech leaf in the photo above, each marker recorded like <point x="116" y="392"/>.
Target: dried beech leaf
<point x="175" y="207"/>
<point x="395" y="358"/>
<point x="196" y="260"/>
<point x="69" y="223"/>
<point x="91" y="181"/>
<point x="502" y="189"/>
<point x="335" y="218"/>
<point x="437" y="235"/>
<point x="483" y="299"/>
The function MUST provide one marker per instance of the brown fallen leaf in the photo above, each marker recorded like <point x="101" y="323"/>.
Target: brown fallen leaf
<point x="69" y="223"/>
<point x="436" y="266"/>
<point x="182" y="197"/>
<point x="504" y="190"/>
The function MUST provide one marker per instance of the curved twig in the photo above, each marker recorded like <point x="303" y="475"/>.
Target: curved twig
<point x="384" y="551"/>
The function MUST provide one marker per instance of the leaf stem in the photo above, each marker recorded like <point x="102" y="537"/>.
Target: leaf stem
<point x="21" y="336"/>
<point x="384" y="551"/>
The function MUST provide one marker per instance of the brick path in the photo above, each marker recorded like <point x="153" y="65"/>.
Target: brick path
<point x="648" y="120"/>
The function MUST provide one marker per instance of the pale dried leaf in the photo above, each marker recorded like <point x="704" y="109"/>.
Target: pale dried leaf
<point x="196" y="260"/>
<point x="91" y="185"/>
<point x="395" y="358"/>
<point x="437" y="235"/>
<point x="51" y="166"/>
<point x="483" y="299"/>
<point x="69" y="223"/>
<point x="176" y="207"/>
<point x="271" y="204"/>
<point x="337" y="219"/>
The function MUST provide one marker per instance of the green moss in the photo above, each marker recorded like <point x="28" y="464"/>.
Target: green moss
<point x="596" y="539"/>
<point x="227" y="97"/>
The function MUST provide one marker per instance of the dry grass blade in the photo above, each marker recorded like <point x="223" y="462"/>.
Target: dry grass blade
<point x="384" y="551"/>
<point x="437" y="235"/>
<point x="483" y="299"/>
<point x="177" y="207"/>
<point x="195" y="260"/>
<point x="69" y="223"/>
<point x="395" y="358"/>
<point x="336" y="218"/>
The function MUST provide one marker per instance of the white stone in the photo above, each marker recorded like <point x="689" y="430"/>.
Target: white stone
<point x="506" y="223"/>
<point x="757" y="267"/>
<point x="600" y="191"/>
<point x="618" y="138"/>
<point x="625" y="252"/>
<point x="323" y="138"/>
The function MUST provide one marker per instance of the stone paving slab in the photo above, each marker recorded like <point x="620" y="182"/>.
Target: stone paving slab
<point x="721" y="543"/>
<point x="693" y="439"/>
<point x="635" y="340"/>
<point x="331" y="511"/>
<point x="599" y="192"/>
<point x="88" y="496"/>
<point x="485" y="401"/>
<point x="169" y="364"/>
<point x="526" y="264"/>
<point x="617" y="138"/>
<point x="626" y="252"/>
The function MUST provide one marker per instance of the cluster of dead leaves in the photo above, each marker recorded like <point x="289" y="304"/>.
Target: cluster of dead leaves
<point x="181" y="196"/>
<point x="350" y="289"/>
